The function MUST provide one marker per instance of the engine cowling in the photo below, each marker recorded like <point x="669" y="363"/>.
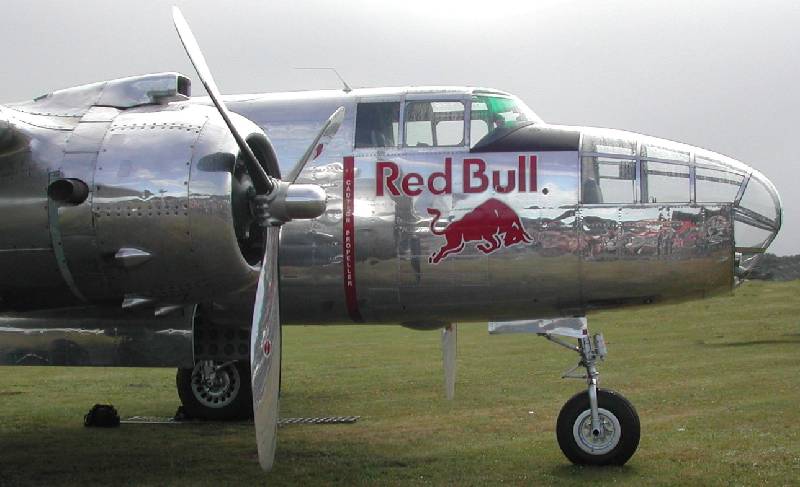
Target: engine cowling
<point x="166" y="219"/>
<point x="168" y="183"/>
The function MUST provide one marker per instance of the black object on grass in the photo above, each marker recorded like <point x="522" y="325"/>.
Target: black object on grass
<point x="102" y="416"/>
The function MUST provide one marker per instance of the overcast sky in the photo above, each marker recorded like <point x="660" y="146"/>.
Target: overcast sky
<point x="723" y="75"/>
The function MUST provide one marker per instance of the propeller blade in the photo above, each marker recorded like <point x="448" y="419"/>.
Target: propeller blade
<point x="263" y="183"/>
<point x="265" y="351"/>
<point x="449" y="345"/>
<point x="276" y="203"/>
<point x="322" y="139"/>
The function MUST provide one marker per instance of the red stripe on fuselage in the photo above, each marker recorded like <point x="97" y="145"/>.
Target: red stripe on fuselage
<point x="349" y="239"/>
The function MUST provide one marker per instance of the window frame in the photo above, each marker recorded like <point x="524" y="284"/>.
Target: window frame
<point x="695" y="159"/>
<point x="471" y="99"/>
<point x="373" y="100"/>
<point x="644" y="192"/>
<point x="637" y="186"/>
<point x="728" y="173"/>
<point x="433" y="98"/>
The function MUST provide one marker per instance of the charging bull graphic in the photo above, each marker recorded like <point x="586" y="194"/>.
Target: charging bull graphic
<point x="492" y="223"/>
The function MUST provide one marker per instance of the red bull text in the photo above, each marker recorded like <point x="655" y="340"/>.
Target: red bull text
<point x="475" y="178"/>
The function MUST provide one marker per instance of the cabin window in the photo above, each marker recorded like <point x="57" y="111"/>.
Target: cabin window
<point x="757" y="217"/>
<point x="478" y="129"/>
<point x="434" y="124"/>
<point x="665" y="173"/>
<point x="757" y="198"/>
<point x="608" y="180"/>
<point x="715" y="186"/>
<point x="667" y="154"/>
<point x="490" y="114"/>
<point x="666" y="183"/>
<point x="377" y="124"/>
<point x="748" y="235"/>
<point x="608" y="142"/>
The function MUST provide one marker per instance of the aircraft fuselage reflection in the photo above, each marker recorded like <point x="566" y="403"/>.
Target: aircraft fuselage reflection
<point x="444" y="204"/>
<point x="613" y="217"/>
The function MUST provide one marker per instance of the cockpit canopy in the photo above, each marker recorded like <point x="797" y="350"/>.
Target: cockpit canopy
<point x="440" y="122"/>
<point x="617" y="167"/>
<point x="493" y="116"/>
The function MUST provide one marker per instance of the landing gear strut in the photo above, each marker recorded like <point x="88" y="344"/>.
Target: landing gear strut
<point x="598" y="426"/>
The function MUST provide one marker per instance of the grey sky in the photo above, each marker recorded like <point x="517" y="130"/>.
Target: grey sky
<point x="722" y="75"/>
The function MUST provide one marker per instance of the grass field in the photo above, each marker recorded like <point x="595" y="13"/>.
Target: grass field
<point x="716" y="384"/>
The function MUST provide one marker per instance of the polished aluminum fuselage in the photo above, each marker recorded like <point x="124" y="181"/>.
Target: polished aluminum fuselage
<point x="411" y="235"/>
<point x="581" y="256"/>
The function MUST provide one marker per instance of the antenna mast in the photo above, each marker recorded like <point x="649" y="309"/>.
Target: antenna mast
<point x="345" y="87"/>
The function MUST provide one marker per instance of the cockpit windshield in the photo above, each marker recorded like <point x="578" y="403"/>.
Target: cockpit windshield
<point x="493" y="116"/>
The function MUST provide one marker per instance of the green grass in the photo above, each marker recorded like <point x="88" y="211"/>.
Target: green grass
<point x="716" y="384"/>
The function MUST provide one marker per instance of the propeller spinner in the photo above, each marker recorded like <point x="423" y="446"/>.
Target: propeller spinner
<point x="275" y="203"/>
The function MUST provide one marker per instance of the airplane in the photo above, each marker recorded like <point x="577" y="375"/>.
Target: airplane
<point x="144" y="227"/>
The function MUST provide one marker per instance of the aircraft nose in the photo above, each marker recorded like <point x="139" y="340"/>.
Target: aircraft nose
<point x="757" y="215"/>
<point x="706" y="179"/>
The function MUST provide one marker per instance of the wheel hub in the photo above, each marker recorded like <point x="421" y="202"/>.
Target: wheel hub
<point x="215" y="386"/>
<point x="599" y="441"/>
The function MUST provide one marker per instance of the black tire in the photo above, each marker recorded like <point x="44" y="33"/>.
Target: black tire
<point x="612" y="449"/>
<point x="230" y="402"/>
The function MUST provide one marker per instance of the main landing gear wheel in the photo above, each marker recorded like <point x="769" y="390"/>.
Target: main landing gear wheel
<point x="612" y="443"/>
<point x="216" y="390"/>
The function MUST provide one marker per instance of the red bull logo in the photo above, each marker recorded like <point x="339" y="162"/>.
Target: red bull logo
<point x="492" y="223"/>
<point x="476" y="177"/>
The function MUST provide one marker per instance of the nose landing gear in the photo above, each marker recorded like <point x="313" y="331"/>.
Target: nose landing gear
<point x="610" y="441"/>
<point x="597" y="427"/>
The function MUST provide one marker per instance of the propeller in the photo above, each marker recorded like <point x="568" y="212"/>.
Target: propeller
<point x="276" y="202"/>
<point x="265" y="352"/>
<point x="449" y="345"/>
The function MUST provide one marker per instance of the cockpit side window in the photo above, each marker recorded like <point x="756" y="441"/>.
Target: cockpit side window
<point x="377" y="124"/>
<point x="716" y="185"/>
<point x="666" y="177"/>
<point x="434" y="124"/>
<point x="496" y="115"/>
<point x="608" y="170"/>
<point x="608" y="180"/>
<point x="666" y="182"/>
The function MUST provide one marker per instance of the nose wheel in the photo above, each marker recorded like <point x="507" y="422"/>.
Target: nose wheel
<point x="612" y="441"/>
<point x="597" y="426"/>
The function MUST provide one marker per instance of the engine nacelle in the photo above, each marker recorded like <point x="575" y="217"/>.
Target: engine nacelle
<point x="164" y="185"/>
<point x="166" y="219"/>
